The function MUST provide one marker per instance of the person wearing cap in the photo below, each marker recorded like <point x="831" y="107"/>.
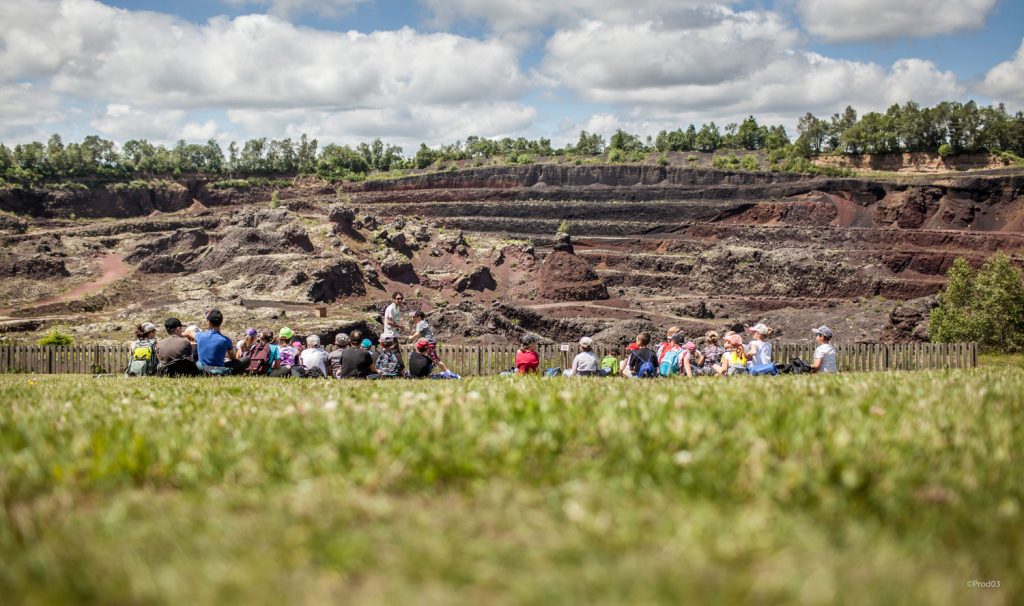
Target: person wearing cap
<point x="388" y="363"/>
<point x="825" y="359"/>
<point x="174" y="352"/>
<point x="356" y="361"/>
<point x="527" y="360"/>
<point x="217" y="354"/>
<point x="287" y="356"/>
<point x="759" y="351"/>
<point x="312" y="361"/>
<point x="734" y="362"/>
<point x="423" y="331"/>
<point x="420" y="364"/>
<point x="341" y="343"/>
<point x="246" y="343"/>
<point x="585" y="363"/>
<point x="143" y="352"/>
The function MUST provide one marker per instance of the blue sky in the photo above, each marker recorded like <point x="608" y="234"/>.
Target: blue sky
<point x="437" y="71"/>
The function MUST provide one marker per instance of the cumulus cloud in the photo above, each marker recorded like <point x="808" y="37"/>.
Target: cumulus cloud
<point x="503" y="15"/>
<point x="738" y="63"/>
<point x="27" y="111"/>
<point x="856" y="20"/>
<point x="154" y="62"/>
<point x="287" y="9"/>
<point x="1005" y="81"/>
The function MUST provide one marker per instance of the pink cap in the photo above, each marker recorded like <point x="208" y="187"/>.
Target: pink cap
<point x="734" y="340"/>
<point x="690" y="345"/>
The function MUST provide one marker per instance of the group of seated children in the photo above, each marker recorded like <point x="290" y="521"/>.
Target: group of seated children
<point x="720" y="356"/>
<point x="189" y="351"/>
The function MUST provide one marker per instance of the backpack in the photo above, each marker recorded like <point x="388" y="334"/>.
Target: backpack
<point x="610" y="364"/>
<point x="259" y="359"/>
<point x="670" y="363"/>
<point x="288" y="355"/>
<point x="142" y="360"/>
<point x="648" y="368"/>
<point x="387" y="363"/>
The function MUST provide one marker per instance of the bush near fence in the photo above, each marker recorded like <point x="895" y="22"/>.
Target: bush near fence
<point x="485" y="360"/>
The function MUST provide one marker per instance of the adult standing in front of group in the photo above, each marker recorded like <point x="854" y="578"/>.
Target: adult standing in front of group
<point x="393" y="317"/>
<point x="825" y="358"/>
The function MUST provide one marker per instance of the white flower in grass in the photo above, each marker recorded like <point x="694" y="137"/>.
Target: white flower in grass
<point x="683" y="457"/>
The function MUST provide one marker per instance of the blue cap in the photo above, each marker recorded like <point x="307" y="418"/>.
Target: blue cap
<point x="367" y="344"/>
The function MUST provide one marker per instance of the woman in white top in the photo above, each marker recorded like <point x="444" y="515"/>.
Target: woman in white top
<point x="825" y="354"/>
<point x="585" y="363"/>
<point x="393" y="317"/>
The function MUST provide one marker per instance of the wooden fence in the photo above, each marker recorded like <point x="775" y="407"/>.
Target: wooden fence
<point x="483" y="360"/>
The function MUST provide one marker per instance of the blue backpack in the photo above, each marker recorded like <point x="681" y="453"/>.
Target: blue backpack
<point x="648" y="368"/>
<point x="670" y="363"/>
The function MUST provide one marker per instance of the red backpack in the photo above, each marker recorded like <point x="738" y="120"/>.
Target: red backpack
<point x="259" y="359"/>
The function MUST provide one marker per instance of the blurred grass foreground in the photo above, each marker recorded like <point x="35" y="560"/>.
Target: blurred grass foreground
<point x="854" y="489"/>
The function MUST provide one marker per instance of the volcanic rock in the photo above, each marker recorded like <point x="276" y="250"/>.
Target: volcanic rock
<point x="161" y="264"/>
<point x="566" y="277"/>
<point x="399" y="269"/>
<point x="35" y="267"/>
<point x="563" y="243"/>
<point x="13" y="224"/>
<point x="479" y="279"/>
<point x="336" y="279"/>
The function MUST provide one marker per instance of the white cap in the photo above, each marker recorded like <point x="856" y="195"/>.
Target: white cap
<point x="759" y="327"/>
<point x="148" y="327"/>
<point x="586" y="341"/>
<point x="312" y="341"/>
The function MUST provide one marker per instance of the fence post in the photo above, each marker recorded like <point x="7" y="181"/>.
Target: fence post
<point x="479" y="360"/>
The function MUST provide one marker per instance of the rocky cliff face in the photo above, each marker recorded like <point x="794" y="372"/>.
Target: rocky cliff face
<point x="650" y="246"/>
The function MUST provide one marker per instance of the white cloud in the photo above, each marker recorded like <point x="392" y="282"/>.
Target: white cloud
<point x="855" y="20"/>
<point x="506" y="15"/>
<point x="26" y="111"/>
<point x="407" y="127"/>
<point x="735" y="63"/>
<point x="287" y="9"/>
<point x="128" y="122"/>
<point x="159" y="64"/>
<point x="1005" y="82"/>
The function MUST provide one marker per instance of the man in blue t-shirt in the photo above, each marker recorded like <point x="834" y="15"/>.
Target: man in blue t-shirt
<point x="217" y="352"/>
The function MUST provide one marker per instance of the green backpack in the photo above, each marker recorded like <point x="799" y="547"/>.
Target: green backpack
<point x="143" y="359"/>
<point x="610" y="364"/>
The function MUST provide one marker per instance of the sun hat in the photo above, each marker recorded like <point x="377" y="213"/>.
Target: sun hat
<point x="366" y="344"/>
<point x="286" y="333"/>
<point x="823" y="330"/>
<point x="251" y="332"/>
<point x="759" y="327"/>
<point x="148" y="327"/>
<point x="734" y="340"/>
<point x="586" y="341"/>
<point x="341" y="338"/>
<point x="527" y="339"/>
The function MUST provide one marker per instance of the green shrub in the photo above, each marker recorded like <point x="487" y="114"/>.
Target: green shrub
<point x="750" y="162"/>
<point x="563" y="227"/>
<point x="275" y="199"/>
<point x="945" y="150"/>
<point x="986" y="305"/>
<point x="55" y="337"/>
<point x="730" y="162"/>
<point x="663" y="160"/>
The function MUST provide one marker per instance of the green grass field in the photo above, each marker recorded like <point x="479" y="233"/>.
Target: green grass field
<point x="856" y="489"/>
